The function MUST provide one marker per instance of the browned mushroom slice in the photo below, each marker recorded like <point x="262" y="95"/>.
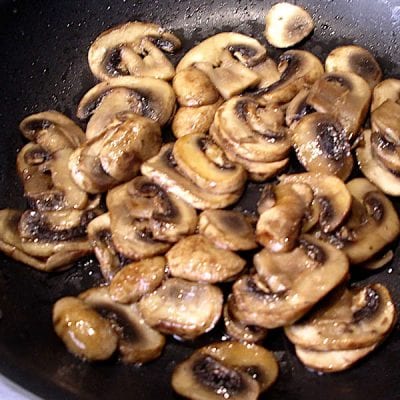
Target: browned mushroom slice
<point x="280" y="224"/>
<point x="137" y="341"/>
<point x="354" y="59"/>
<point x="287" y="24"/>
<point x="226" y="58"/>
<point x="10" y="244"/>
<point x="373" y="168"/>
<point x="182" y="308"/>
<point x="85" y="332"/>
<point x="386" y="120"/>
<point x="162" y="169"/>
<point x="222" y="370"/>
<point x="195" y="258"/>
<point x="332" y="194"/>
<point x="331" y="361"/>
<point x="372" y="225"/>
<point x="288" y="284"/>
<point x="298" y="68"/>
<point x="229" y="230"/>
<point x="267" y="71"/>
<point x="135" y="48"/>
<point x="137" y="279"/>
<point x="344" y="95"/>
<point x="389" y="89"/>
<point x="52" y="130"/>
<point x="350" y="319"/>
<point x="321" y="145"/>
<point x="298" y="108"/>
<point x="205" y="164"/>
<point x="151" y="98"/>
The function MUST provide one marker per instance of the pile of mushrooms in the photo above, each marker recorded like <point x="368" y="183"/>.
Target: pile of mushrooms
<point x="173" y="245"/>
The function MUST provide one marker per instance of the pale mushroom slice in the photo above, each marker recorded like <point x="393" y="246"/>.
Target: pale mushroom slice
<point x="287" y="285"/>
<point x="389" y="89"/>
<point x="385" y="119"/>
<point x="322" y="145"/>
<point x="298" y="68"/>
<point x="136" y="279"/>
<point x="344" y="95"/>
<point x="226" y="370"/>
<point x="227" y="229"/>
<point x="135" y="48"/>
<point x="195" y="258"/>
<point x="375" y="170"/>
<point x="268" y="72"/>
<point x="182" y="308"/>
<point x="11" y="245"/>
<point x="333" y="197"/>
<point x="137" y="342"/>
<point x="287" y="24"/>
<point x="350" y="319"/>
<point x="226" y="58"/>
<point x="148" y="97"/>
<point x="162" y="169"/>
<point x="85" y="332"/>
<point x="205" y="164"/>
<point x="354" y="59"/>
<point x="373" y="223"/>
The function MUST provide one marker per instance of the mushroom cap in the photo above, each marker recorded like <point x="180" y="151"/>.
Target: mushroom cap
<point x="389" y="89"/>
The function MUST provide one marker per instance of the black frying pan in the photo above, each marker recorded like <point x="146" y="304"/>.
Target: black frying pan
<point x="43" y="66"/>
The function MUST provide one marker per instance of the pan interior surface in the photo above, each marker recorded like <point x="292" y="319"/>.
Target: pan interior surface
<point x="44" y="66"/>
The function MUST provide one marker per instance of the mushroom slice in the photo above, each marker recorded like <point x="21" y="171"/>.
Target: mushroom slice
<point x="287" y="24"/>
<point x="222" y="370"/>
<point x="162" y="169"/>
<point x="204" y="163"/>
<point x="182" y="308"/>
<point x="322" y="146"/>
<point x="11" y="244"/>
<point x="354" y="59"/>
<point x="298" y="68"/>
<point x="267" y="71"/>
<point x="344" y="95"/>
<point x="52" y="130"/>
<point x="137" y="279"/>
<point x="195" y="258"/>
<point x="386" y="120"/>
<point x="331" y="361"/>
<point x="227" y="229"/>
<point x="332" y="194"/>
<point x="135" y="48"/>
<point x="85" y="332"/>
<point x="287" y="285"/>
<point x="350" y="319"/>
<point x="373" y="168"/>
<point x="298" y="108"/>
<point x="137" y="341"/>
<point x="149" y="97"/>
<point x="389" y="89"/>
<point x="227" y="58"/>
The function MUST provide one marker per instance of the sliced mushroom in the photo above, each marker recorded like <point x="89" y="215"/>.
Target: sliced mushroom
<point x="135" y="48"/>
<point x="386" y="120"/>
<point x="267" y="71"/>
<point x="226" y="58"/>
<point x="137" y="279"/>
<point x="321" y="145"/>
<point x="287" y="24"/>
<point x="389" y="89"/>
<point x="148" y="97"/>
<point x="298" y="68"/>
<point x="298" y="108"/>
<point x="351" y="319"/>
<point x="162" y="169"/>
<point x="182" y="308"/>
<point x="137" y="342"/>
<point x="227" y="229"/>
<point x="85" y="332"/>
<point x="287" y="285"/>
<point x="226" y="370"/>
<point x="344" y="95"/>
<point x="195" y="258"/>
<point x="334" y="199"/>
<point x="354" y="59"/>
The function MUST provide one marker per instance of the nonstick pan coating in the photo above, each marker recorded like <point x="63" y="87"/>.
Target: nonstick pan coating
<point x="43" y="47"/>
